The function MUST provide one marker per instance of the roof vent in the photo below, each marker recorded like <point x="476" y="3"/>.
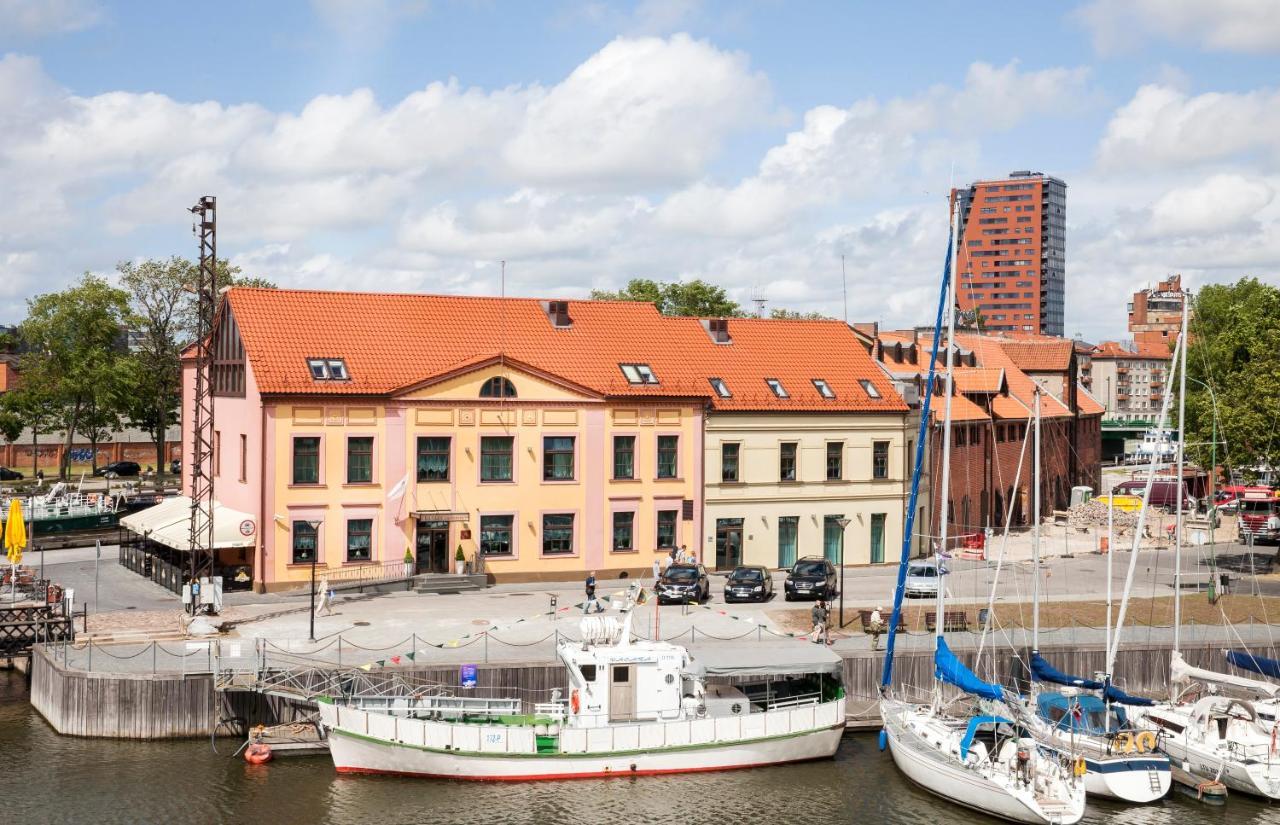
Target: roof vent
<point x="718" y="329"/>
<point x="558" y="313"/>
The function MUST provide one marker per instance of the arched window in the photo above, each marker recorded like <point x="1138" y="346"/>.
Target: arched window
<point x="497" y="387"/>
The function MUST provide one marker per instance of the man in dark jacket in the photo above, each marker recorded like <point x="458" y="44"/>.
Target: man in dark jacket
<point x="591" y="595"/>
<point x="819" y="614"/>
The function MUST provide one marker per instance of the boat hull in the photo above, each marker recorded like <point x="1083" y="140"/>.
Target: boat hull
<point x="356" y="754"/>
<point x="1128" y="780"/>
<point x="1258" y="779"/>
<point x="948" y="779"/>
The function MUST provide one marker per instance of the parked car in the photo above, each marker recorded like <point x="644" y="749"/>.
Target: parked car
<point x="683" y="583"/>
<point x="1164" y="493"/>
<point x="748" y="584"/>
<point x="813" y="577"/>
<point x="10" y="475"/>
<point x="922" y="579"/>
<point x="119" y="469"/>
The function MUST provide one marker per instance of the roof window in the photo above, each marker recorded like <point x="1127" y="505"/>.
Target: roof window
<point x="718" y="329"/>
<point x="638" y="374"/>
<point x="558" y="314"/>
<point x="328" y="369"/>
<point x="824" y="389"/>
<point x="776" y="386"/>
<point x="870" y="388"/>
<point x="721" y="388"/>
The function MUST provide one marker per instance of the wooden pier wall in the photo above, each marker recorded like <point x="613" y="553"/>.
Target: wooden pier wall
<point x="165" y="706"/>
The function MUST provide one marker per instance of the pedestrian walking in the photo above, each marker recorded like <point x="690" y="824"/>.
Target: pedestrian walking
<point x="819" y="615"/>
<point x="591" y="595"/>
<point x="657" y="571"/>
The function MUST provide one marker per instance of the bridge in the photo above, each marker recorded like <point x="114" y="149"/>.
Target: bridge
<point x="1115" y="433"/>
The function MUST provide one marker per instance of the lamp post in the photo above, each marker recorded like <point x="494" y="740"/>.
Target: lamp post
<point x="844" y="523"/>
<point x="315" y="552"/>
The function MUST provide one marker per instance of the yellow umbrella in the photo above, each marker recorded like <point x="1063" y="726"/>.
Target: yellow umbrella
<point x="15" y="532"/>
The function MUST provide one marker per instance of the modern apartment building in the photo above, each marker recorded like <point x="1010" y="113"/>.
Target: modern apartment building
<point x="1155" y="315"/>
<point x="1011" y="264"/>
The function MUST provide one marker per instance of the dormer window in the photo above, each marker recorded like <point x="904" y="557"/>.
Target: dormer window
<point x="498" y="387"/>
<point x="776" y="386"/>
<point x="328" y="369"/>
<point x="558" y="313"/>
<point x="824" y="389"/>
<point x="638" y="374"/>
<point x="718" y="329"/>
<point x="721" y="388"/>
<point x="869" y="388"/>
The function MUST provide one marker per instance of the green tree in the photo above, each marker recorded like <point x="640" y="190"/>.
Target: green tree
<point x="30" y="409"/>
<point x="782" y="313"/>
<point x="1235" y="348"/>
<point x="696" y="298"/>
<point x="74" y="341"/>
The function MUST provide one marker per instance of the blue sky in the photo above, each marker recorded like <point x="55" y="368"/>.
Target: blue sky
<point x="406" y="145"/>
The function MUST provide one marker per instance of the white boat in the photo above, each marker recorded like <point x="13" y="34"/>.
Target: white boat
<point x="981" y="760"/>
<point x="1219" y="738"/>
<point x="633" y="708"/>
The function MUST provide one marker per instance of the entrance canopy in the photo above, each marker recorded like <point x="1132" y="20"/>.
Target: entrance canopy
<point x="169" y="523"/>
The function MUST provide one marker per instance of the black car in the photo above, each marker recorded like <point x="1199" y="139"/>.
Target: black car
<point x="748" y="584"/>
<point x="813" y="577"/>
<point x="10" y="475"/>
<point x="119" y="469"/>
<point x="684" y="583"/>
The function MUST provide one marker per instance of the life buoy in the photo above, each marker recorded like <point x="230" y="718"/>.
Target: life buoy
<point x="1145" y="741"/>
<point x="1123" y="742"/>
<point x="257" y="754"/>
<point x="574" y="702"/>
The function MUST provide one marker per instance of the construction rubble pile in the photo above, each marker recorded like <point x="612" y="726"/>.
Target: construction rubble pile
<point x="1094" y="514"/>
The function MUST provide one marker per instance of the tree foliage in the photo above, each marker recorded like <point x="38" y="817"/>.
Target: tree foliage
<point x="1235" y="349"/>
<point x="696" y="298"/>
<point x="794" y="315"/>
<point x="75" y="347"/>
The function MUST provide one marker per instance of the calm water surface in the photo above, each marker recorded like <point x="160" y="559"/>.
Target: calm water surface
<point x="48" y="778"/>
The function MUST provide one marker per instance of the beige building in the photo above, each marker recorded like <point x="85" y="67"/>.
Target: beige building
<point x="1129" y="379"/>
<point x="779" y="485"/>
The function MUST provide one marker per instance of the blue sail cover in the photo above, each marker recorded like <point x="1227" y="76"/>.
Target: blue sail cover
<point x="1257" y="664"/>
<point x="1042" y="671"/>
<point x="976" y="722"/>
<point x="949" y="669"/>
<point x="1115" y="694"/>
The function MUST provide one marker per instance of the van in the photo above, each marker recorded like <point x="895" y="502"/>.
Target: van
<point x="1164" y="493"/>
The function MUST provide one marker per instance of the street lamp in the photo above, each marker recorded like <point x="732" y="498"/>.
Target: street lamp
<point x="843" y="522"/>
<point x="315" y="552"/>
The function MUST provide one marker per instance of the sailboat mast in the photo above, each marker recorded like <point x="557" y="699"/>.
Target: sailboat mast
<point x="1035" y="535"/>
<point x="1177" y="523"/>
<point x="945" y="488"/>
<point x="1111" y="520"/>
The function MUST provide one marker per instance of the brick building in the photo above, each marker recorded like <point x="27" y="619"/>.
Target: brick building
<point x="1011" y="265"/>
<point x="1155" y="315"/>
<point x="991" y="412"/>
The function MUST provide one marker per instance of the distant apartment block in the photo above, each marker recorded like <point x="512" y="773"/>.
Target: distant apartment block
<point x="1155" y="315"/>
<point x="1129" y="377"/>
<point x="1011" y="263"/>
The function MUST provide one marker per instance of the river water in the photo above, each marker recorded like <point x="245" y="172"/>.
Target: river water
<point x="46" y="778"/>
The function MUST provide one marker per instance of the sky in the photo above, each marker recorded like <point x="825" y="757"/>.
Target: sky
<point x="414" y="145"/>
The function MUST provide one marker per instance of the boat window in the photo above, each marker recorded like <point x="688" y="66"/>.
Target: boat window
<point x="621" y="674"/>
<point x="588" y="672"/>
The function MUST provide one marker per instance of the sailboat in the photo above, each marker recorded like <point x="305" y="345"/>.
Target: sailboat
<point x="1118" y="764"/>
<point x="1208" y="736"/>
<point x="986" y="761"/>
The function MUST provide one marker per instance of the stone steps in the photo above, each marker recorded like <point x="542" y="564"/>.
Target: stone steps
<point x="441" y="583"/>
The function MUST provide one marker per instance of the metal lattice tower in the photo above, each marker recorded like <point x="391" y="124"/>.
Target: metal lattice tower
<point x="206" y="286"/>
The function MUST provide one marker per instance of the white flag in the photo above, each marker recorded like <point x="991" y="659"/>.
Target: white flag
<point x="398" y="490"/>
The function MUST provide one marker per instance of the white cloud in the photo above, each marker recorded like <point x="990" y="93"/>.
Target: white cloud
<point x="1163" y="127"/>
<point x="646" y="110"/>
<point x="1218" y="25"/>
<point x="40" y="18"/>
<point x="1219" y="204"/>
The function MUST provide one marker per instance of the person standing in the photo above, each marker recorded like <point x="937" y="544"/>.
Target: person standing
<point x="819" y="615"/>
<point x="876" y="625"/>
<point x="591" y="595"/>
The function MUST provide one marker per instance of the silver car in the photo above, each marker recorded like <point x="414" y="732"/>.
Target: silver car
<point x="922" y="579"/>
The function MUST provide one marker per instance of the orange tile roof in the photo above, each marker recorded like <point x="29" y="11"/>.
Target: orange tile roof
<point x="1051" y="355"/>
<point x="962" y="409"/>
<point x="1087" y="403"/>
<point x="991" y="354"/>
<point x="1115" y="349"/>
<point x="979" y="380"/>
<point x="394" y="341"/>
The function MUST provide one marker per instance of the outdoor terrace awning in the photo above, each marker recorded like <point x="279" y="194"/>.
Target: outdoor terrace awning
<point x="169" y="523"/>
<point x="781" y="658"/>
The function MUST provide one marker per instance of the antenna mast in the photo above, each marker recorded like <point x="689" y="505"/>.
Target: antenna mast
<point x="759" y="298"/>
<point x="201" y="535"/>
